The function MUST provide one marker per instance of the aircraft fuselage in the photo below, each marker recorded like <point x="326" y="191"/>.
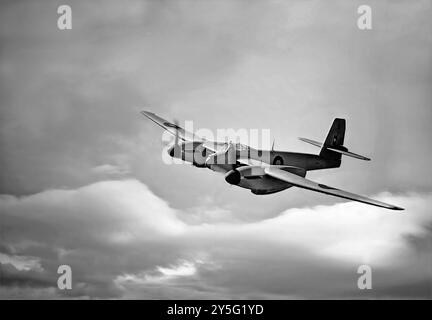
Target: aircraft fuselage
<point x="240" y="175"/>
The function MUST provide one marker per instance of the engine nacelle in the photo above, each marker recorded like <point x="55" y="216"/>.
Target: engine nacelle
<point x="233" y="177"/>
<point x="190" y="151"/>
<point x="247" y="172"/>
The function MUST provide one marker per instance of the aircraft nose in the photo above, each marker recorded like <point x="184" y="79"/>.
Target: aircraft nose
<point x="176" y="151"/>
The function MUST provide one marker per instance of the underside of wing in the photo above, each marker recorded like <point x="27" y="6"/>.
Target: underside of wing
<point x="301" y="182"/>
<point x="171" y="127"/>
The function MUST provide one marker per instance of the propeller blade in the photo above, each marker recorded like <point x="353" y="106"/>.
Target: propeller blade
<point x="177" y="134"/>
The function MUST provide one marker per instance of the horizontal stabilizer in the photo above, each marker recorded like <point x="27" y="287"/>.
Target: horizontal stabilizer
<point x="339" y="149"/>
<point x="313" y="142"/>
<point x="349" y="154"/>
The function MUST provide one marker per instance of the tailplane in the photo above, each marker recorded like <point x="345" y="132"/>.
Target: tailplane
<point x="333" y="148"/>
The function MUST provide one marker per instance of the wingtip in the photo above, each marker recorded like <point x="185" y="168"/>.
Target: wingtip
<point x="392" y="207"/>
<point x="147" y="114"/>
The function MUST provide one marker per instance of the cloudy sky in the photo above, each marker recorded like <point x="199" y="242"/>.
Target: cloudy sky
<point x="83" y="182"/>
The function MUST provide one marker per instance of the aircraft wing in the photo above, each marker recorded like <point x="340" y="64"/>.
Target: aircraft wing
<point x="301" y="182"/>
<point x="171" y="127"/>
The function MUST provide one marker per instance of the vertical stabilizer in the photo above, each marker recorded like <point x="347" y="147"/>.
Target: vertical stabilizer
<point x="335" y="139"/>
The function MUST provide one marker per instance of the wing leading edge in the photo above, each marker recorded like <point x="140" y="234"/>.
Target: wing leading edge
<point x="310" y="185"/>
<point x="171" y="127"/>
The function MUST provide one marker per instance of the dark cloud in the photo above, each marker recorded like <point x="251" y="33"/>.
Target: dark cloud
<point x="12" y="277"/>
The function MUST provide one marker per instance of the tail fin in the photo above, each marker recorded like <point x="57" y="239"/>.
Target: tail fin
<point x="334" y="140"/>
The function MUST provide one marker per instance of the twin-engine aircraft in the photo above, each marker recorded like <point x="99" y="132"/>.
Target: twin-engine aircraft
<point x="265" y="171"/>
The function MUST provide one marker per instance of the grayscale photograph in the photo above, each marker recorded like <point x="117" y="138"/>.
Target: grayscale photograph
<point x="187" y="150"/>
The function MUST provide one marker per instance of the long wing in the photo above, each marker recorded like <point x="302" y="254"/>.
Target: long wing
<point x="310" y="185"/>
<point x="171" y="127"/>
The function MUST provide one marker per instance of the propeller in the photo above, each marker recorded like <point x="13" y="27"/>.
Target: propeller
<point x="176" y="139"/>
<point x="177" y="147"/>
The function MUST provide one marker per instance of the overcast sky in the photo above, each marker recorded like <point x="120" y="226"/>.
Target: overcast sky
<point x="83" y="182"/>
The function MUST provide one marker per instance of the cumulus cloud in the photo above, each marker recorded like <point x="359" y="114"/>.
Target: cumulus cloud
<point x="123" y="241"/>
